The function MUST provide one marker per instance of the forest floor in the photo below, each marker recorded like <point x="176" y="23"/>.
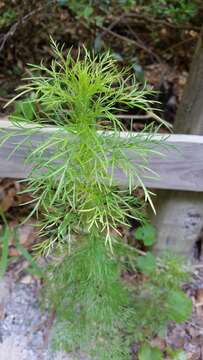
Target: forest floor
<point x="158" y="51"/>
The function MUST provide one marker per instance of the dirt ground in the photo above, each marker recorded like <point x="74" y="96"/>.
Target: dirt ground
<point x="25" y="330"/>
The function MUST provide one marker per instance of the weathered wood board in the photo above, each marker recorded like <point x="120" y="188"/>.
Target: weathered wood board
<point x="180" y="167"/>
<point x="179" y="219"/>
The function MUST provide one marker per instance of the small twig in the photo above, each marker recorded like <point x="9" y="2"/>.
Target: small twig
<point x="143" y="46"/>
<point x="134" y="117"/>
<point x="120" y="37"/>
<point x="112" y="25"/>
<point x="21" y="21"/>
<point x="13" y="28"/>
<point x="194" y="325"/>
<point x="4" y="99"/>
<point x="163" y="22"/>
<point x="178" y="44"/>
<point x="145" y="117"/>
<point x="131" y="41"/>
<point x="49" y="324"/>
<point x="138" y="251"/>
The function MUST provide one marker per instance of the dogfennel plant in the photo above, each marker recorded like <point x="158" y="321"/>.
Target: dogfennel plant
<point x="83" y="209"/>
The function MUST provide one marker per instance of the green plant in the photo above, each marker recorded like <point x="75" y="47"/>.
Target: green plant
<point x="6" y="235"/>
<point x="177" y="10"/>
<point x="4" y="241"/>
<point x="147" y="234"/>
<point x="149" y="353"/>
<point x="75" y="189"/>
<point x="24" y="108"/>
<point x="87" y="8"/>
<point x="7" y="17"/>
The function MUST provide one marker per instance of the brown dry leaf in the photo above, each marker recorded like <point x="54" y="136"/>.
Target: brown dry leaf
<point x="193" y="332"/>
<point x="194" y="34"/>
<point x="163" y="32"/>
<point x="130" y="279"/>
<point x="154" y="73"/>
<point x="27" y="235"/>
<point x="201" y="352"/>
<point x="159" y="342"/>
<point x="182" y="79"/>
<point x="198" y="341"/>
<point x="8" y="200"/>
<point x="199" y="312"/>
<point x="199" y="302"/>
<point x="199" y="297"/>
<point x="177" y="338"/>
<point x="8" y="191"/>
<point x="194" y="356"/>
<point x="13" y="252"/>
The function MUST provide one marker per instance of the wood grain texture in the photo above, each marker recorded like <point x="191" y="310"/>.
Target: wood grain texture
<point x="179" y="219"/>
<point x="189" y="117"/>
<point x="180" y="167"/>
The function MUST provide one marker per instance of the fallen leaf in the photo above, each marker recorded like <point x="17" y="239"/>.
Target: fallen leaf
<point x="199" y="297"/>
<point x="158" y="342"/>
<point x="27" y="279"/>
<point x="27" y="234"/>
<point x="8" y="192"/>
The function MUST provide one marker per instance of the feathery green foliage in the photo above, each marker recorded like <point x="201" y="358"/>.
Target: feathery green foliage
<point x="74" y="186"/>
<point x="76" y="191"/>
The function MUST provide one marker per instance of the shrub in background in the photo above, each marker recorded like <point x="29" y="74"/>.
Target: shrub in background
<point x="177" y="10"/>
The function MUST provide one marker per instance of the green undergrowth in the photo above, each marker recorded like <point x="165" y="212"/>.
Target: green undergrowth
<point x="101" y="313"/>
<point x="7" y="17"/>
<point x="175" y="11"/>
<point x="106" y="293"/>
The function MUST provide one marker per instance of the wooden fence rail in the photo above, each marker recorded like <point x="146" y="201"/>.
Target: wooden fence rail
<point x="180" y="167"/>
<point x="179" y="220"/>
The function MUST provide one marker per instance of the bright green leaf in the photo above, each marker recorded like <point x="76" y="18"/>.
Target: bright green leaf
<point x="179" y="306"/>
<point x="147" y="352"/>
<point x="177" y="354"/>
<point x="147" y="263"/>
<point x="35" y="269"/>
<point x="87" y="12"/>
<point x="24" y="108"/>
<point x="146" y="233"/>
<point x="4" y="242"/>
<point x="99" y="20"/>
<point x="180" y="355"/>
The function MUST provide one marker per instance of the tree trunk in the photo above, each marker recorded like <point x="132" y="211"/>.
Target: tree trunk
<point x="179" y="218"/>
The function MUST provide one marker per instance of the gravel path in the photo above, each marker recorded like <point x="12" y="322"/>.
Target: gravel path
<point x="23" y="331"/>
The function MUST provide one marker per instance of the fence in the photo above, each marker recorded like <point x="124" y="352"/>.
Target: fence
<point x="180" y="168"/>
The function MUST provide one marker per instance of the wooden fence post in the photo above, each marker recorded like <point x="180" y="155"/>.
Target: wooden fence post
<point x="179" y="218"/>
